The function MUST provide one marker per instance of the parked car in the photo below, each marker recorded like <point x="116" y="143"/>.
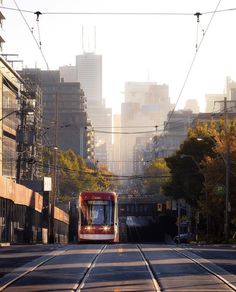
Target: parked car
<point x="184" y="238"/>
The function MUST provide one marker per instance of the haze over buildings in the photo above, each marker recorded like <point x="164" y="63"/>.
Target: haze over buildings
<point x="88" y="71"/>
<point x="145" y="108"/>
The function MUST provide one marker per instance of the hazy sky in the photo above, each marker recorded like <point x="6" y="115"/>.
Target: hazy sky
<point x="135" y="48"/>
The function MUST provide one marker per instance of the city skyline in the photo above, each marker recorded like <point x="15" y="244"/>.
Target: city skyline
<point x="158" y="48"/>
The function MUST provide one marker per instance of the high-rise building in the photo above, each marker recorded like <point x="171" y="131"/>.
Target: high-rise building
<point x="212" y="104"/>
<point x="68" y="73"/>
<point x="192" y="105"/>
<point x="145" y="108"/>
<point x="89" y="74"/>
<point x="65" y="105"/>
<point x="116" y="165"/>
<point x="10" y="87"/>
<point x="176" y="130"/>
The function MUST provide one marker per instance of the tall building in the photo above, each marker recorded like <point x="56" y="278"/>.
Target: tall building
<point x="63" y="104"/>
<point x="89" y="74"/>
<point x="212" y="104"/>
<point x="10" y="84"/>
<point x="68" y="73"/>
<point x="146" y="106"/>
<point x="192" y="105"/>
<point x="116" y="165"/>
<point x="176" y="130"/>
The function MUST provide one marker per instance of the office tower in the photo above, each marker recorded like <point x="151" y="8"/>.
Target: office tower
<point x="146" y="106"/>
<point x="192" y="105"/>
<point x="89" y="74"/>
<point x="211" y="102"/>
<point x="67" y="100"/>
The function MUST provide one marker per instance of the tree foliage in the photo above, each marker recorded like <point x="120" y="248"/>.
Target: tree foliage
<point x="74" y="175"/>
<point x="157" y="173"/>
<point x="199" y="167"/>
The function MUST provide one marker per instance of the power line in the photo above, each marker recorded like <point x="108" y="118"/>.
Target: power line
<point x="124" y="133"/>
<point x="191" y="66"/>
<point x="37" y="43"/>
<point x="118" y="13"/>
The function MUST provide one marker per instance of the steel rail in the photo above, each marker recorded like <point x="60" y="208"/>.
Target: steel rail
<point x="150" y="270"/>
<point x="222" y="279"/>
<point x="92" y="264"/>
<point x="31" y="269"/>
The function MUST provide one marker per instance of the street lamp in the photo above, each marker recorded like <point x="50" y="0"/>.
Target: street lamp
<point x="226" y="160"/>
<point x="206" y="195"/>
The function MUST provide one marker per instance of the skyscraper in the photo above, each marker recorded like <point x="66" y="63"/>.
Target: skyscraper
<point x="89" y="74"/>
<point x="146" y="106"/>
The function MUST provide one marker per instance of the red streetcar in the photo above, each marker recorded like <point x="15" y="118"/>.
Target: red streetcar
<point x="98" y="216"/>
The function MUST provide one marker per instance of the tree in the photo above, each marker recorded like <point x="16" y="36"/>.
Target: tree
<point x="156" y="174"/>
<point x="199" y="167"/>
<point x="75" y="176"/>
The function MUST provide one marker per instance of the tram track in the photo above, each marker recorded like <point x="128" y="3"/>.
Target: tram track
<point x="214" y="273"/>
<point x="150" y="269"/>
<point x="91" y="265"/>
<point x="30" y="267"/>
<point x="121" y="263"/>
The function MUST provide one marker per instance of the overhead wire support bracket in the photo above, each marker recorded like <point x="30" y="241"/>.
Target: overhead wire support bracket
<point x="197" y="14"/>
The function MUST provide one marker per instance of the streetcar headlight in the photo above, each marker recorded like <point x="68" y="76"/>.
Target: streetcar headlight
<point x="106" y="228"/>
<point x="88" y="228"/>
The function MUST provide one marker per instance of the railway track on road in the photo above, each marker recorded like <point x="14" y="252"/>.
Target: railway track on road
<point x="115" y="267"/>
<point x="208" y="266"/>
<point x="28" y="268"/>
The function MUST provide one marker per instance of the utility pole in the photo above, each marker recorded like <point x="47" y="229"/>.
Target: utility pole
<point x="52" y="200"/>
<point x="227" y="167"/>
<point x="227" y="161"/>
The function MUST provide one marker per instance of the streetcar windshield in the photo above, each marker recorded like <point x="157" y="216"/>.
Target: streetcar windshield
<point x="95" y="212"/>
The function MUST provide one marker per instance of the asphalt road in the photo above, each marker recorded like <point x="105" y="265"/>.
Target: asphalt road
<point x="223" y="256"/>
<point x="122" y="267"/>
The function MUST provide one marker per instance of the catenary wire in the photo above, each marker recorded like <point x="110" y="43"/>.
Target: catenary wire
<point x="191" y="66"/>
<point x="119" y="13"/>
<point x="37" y="43"/>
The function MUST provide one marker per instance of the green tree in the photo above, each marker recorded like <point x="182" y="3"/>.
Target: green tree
<point x="75" y="176"/>
<point x="157" y="173"/>
<point x="199" y="166"/>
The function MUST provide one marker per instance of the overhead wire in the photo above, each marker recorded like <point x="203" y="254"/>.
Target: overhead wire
<point x="118" y="13"/>
<point x="37" y="43"/>
<point x="191" y="66"/>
